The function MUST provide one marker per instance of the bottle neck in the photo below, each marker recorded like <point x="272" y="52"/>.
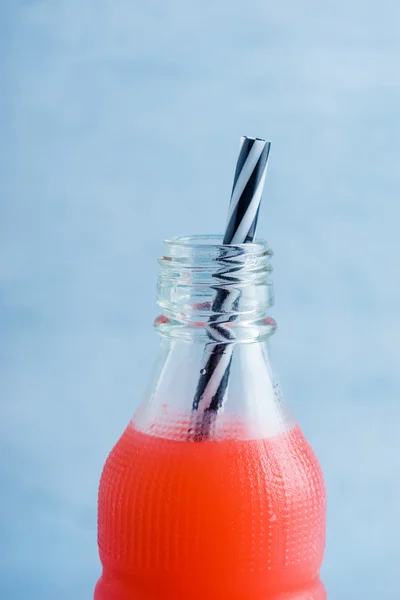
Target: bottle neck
<point x="215" y="293"/>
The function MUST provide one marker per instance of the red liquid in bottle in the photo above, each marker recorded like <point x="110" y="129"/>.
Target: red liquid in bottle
<point x="216" y="520"/>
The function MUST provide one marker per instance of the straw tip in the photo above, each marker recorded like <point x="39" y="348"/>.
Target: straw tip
<point x="253" y="139"/>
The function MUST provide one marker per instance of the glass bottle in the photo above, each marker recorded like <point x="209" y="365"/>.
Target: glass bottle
<point x="238" y="513"/>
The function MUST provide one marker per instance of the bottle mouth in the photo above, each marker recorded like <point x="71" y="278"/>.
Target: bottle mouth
<point x="204" y="259"/>
<point x="210" y="240"/>
<point x="209" y="246"/>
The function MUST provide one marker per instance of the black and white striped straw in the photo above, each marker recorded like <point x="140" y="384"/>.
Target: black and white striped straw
<point x="241" y="226"/>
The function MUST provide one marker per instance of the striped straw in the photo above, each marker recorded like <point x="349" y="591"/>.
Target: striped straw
<point x="244" y="207"/>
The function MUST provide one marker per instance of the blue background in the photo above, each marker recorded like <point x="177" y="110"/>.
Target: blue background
<point x="120" y="126"/>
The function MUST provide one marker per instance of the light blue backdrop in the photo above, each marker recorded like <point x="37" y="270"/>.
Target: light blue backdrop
<point x="120" y="124"/>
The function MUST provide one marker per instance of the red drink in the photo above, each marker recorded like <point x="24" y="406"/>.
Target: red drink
<point x="219" y="520"/>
